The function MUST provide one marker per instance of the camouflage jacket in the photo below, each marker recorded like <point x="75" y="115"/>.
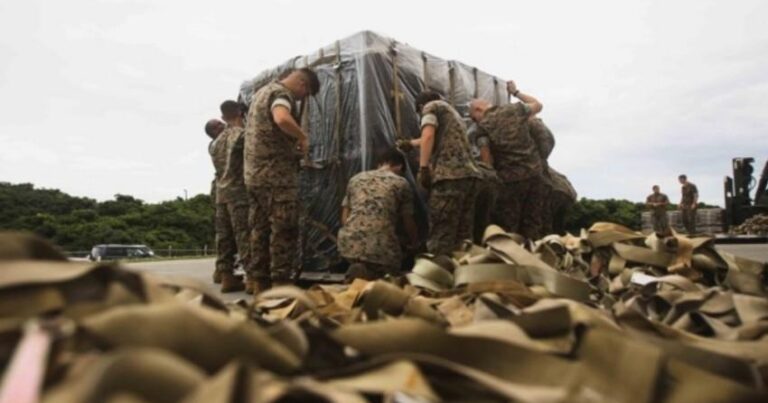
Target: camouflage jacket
<point x="218" y="151"/>
<point x="560" y="184"/>
<point x="690" y="192"/>
<point x="542" y="136"/>
<point x="213" y="182"/>
<point x="515" y="155"/>
<point x="658" y="198"/>
<point x="270" y="157"/>
<point x="376" y="201"/>
<point x="451" y="154"/>
<point x="231" y="185"/>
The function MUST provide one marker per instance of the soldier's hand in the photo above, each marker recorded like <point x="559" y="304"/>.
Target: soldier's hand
<point x="404" y="144"/>
<point x="511" y="87"/>
<point x="304" y="145"/>
<point x="425" y="177"/>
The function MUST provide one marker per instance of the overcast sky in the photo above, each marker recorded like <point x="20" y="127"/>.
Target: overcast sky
<point x="105" y="97"/>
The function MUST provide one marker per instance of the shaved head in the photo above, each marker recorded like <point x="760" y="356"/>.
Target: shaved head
<point x="477" y="108"/>
<point x="214" y="127"/>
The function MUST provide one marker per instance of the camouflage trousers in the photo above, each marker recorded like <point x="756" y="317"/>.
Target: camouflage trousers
<point x="231" y="235"/>
<point x="548" y="210"/>
<point x="660" y="222"/>
<point x="451" y="214"/>
<point x="558" y="206"/>
<point x="689" y="220"/>
<point x="485" y="203"/>
<point x="274" y="222"/>
<point x="519" y="207"/>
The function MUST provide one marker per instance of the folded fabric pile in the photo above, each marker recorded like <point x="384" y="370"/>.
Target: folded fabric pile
<point x="756" y="225"/>
<point x="610" y="315"/>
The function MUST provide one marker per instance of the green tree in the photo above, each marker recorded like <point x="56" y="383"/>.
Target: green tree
<point x="79" y="223"/>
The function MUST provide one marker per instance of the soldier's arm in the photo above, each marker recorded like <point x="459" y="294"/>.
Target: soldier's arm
<point x="283" y="119"/>
<point x="695" y="197"/>
<point x="533" y="104"/>
<point x="427" y="142"/>
<point x="486" y="156"/>
<point x="485" y="147"/>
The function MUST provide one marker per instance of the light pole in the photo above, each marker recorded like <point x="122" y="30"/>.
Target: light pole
<point x="186" y="196"/>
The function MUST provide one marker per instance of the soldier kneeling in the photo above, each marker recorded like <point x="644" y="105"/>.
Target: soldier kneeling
<point x="376" y="201"/>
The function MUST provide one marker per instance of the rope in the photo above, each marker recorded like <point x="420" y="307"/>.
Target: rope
<point x="396" y="91"/>
<point x="425" y="72"/>
<point x="337" y="122"/>
<point x="452" y="82"/>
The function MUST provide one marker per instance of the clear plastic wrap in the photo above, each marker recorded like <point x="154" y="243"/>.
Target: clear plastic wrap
<point x="368" y="84"/>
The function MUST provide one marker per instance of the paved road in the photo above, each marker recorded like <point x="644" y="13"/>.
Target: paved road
<point x="198" y="269"/>
<point x="757" y="252"/>
<point x="202" y="269"/>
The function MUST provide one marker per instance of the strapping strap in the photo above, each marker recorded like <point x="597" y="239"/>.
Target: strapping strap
<point x="643" y="255"/>
<point x="554" y="282"/>
<point x="24" y="375"/>
<point x="511" y="252"/>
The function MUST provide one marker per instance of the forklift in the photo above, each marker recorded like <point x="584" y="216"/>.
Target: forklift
<point x="739" y="205"/>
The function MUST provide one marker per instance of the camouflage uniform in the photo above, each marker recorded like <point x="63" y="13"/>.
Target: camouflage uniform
<point x="545" y="143"/>
<point x="659" y="213"/>
<point x="562" y="197"/>
<point x="230" y="192"/>
<point x="542" y="137"/>
<point x="226" y="245"/>
<point x="518" y="166"/>
<point x="376" y="201"/>
<point x="487" y="187"/>
<point x="271" y="171"/>
<point x="690" y="193"/>
<point x="485" y="203"/>
<point x="454" y="179"/>
<point x="548" y="210"/>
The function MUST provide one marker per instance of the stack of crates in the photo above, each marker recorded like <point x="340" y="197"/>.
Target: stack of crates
<point x="708" y="221"/>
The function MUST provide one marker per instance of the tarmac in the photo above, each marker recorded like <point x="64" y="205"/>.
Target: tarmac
<point x="202" y="269"/>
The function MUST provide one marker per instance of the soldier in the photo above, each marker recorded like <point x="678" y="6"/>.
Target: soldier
<point x="274" y="145"/>
<point x="545" y="143"/>
<point x="688" y="204"/>
<point x="657" y="202"/>
<point x="224" y="271"/>
<point x="231" y="199"/>
<point x="542" y="137"/>
<point x="447" y="170"/>
<point x="487" y="187"/>
<point x="213" y="128"/>
<point x="561" y="198"/>
<point x="376" y="202"/>
<point x="514" y="155"/>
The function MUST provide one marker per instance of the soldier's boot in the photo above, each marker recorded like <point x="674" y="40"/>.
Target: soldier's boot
<point x="231" y="283"/>
<point x="217" y="277"/>
<point x="255" y="286"/>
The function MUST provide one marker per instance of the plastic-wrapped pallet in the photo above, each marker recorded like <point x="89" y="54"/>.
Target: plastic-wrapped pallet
<point x="366" y="102"/>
